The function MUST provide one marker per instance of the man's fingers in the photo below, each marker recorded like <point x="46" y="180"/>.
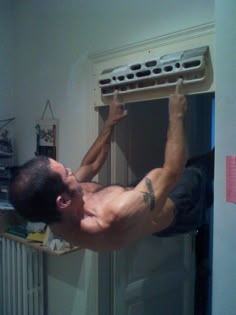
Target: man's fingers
<point x="123" y="109"/>
<point x="179" y="85"/>
<point x="115" y="97"/>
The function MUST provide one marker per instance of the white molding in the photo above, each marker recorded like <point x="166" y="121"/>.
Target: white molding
<point x="166" y="39"/>
<point x="189" y="38"/>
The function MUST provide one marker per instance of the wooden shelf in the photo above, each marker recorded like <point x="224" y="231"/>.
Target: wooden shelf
<point x="40" y="246"/>
<point x="10" y="218"/>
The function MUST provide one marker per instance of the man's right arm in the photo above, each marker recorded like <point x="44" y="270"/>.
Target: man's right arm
<point x="150" y="195"/>
<point x="157" y="185"/>
<point x="176" y="151"/>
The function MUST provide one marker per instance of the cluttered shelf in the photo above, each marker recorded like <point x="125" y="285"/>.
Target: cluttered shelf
<point x="39" y="246"/>
<point x="36" y="236"/>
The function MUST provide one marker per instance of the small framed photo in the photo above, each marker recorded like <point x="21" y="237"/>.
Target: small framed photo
<point x="46" y="130"/>
<point x="6" y="147"/>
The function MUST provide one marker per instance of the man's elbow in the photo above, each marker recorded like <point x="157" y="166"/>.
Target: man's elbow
<point x="95" y="167"/>
<point x="175" y="168"/>
<point x="173" y="174"/>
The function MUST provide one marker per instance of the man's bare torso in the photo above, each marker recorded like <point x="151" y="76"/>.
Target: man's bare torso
<point x="97" y="226"/>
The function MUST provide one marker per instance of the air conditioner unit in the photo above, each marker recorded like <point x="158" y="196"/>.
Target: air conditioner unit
<point x="156" y="73"/>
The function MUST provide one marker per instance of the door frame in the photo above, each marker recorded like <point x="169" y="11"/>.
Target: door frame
<point x="184" y="39"/>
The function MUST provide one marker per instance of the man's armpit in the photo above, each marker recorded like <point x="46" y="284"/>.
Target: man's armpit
<point x="149" y="197"/>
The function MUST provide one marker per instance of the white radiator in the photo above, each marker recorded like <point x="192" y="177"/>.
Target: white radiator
<point x="21" y="279"/>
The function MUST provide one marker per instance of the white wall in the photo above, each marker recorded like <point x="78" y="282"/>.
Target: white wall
<point x="6" y="58"/>
<point x="224" y="257"/>
<point x="54" y="40"/>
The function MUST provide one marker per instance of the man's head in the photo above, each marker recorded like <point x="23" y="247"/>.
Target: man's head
<point x="40" y="188"/>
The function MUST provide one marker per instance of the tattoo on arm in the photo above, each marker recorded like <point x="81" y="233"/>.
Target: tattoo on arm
<point x="149" y="197"/>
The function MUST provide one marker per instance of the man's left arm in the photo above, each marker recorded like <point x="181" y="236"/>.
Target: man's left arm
<point x="97" y="154"/>
<point x="144" y="205"/>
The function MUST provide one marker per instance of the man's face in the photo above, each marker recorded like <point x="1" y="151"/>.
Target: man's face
<point x="66" y="174"/>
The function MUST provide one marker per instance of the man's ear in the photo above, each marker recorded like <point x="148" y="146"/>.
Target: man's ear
<point x="63" y="201"/>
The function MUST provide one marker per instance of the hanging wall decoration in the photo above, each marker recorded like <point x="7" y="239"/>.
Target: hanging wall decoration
<point x="46" y="134"/>
<point x="6" y="142"/>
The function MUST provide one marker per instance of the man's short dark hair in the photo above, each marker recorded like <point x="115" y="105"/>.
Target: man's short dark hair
<point x="34" y="189"/>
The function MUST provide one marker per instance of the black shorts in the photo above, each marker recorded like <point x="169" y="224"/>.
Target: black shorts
<point x="191" y="199"/>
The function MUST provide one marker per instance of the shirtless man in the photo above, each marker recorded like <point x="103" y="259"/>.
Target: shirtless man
<point x="101" y="218"/>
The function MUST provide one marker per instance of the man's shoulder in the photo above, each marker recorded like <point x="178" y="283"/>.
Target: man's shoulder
<point x="91" y="187"/>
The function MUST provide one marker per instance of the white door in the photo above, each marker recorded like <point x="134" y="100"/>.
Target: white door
<point x="155" y="276"/>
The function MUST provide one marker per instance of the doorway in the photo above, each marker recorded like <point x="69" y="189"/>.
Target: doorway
<point x="161" y="276"/>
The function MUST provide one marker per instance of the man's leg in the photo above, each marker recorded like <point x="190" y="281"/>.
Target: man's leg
<point x="189" y="199"/>
<point x="205" y="163"/>
<point x="192" y="196"/>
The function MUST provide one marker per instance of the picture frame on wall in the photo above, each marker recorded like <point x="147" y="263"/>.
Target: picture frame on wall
<point x="46" y="138"/>
<point x="7" y="143"/>
<point x="46" y="135"/>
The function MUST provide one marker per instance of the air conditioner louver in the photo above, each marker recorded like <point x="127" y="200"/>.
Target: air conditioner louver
<point x="156" y="73"/>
